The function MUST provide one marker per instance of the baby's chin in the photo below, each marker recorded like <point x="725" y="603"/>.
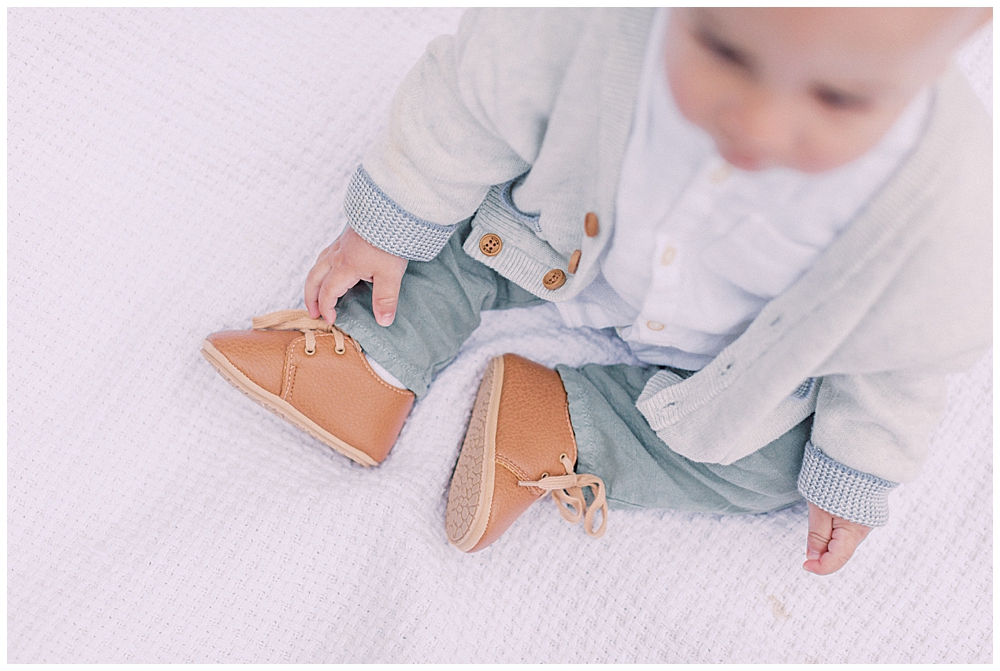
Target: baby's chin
<point x="743" y="160"/>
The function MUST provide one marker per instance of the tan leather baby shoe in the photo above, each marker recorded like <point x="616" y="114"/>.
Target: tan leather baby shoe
<point x="519" y="446"/>
<point x="316" y="377"/>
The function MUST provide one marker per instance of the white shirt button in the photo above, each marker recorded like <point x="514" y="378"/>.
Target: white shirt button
<point x="655" y="326"/>
<point x="721" y="173"/>
<point x="668" y="255"/>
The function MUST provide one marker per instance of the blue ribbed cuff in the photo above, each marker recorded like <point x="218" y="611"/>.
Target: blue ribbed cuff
<point x="382" y="222"/>
<point x="859" y="497"/>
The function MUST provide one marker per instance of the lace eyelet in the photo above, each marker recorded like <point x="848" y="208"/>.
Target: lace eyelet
<point x="310" y="352"/>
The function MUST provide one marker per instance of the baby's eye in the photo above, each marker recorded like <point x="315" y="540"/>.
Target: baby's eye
<point x="722" y="50"/>
<point x="840" y="100"/>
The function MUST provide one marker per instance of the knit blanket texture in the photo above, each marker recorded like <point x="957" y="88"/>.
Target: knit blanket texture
<point x="174" y="172"/>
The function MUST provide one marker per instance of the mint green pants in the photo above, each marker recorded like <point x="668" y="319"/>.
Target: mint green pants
<point x="439" y="307"/>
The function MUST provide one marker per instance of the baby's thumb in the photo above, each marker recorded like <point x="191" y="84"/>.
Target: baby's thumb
<point x="385" y="296"/>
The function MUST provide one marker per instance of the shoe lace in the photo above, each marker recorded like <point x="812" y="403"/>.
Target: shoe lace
<point x="567" y="490"/>
<point x="299" y="320"/>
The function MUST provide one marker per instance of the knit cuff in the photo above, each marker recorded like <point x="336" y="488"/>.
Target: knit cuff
<point x="383" y="223"/>
<point x="859" y="497"/>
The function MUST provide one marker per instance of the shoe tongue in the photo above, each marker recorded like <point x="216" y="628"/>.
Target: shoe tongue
<point x="533" y="427"/>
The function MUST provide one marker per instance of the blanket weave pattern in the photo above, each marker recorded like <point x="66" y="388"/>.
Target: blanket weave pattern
<point x="180" y="170"/>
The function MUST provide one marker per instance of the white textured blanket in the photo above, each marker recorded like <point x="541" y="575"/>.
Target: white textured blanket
<point x="172" y="173"/>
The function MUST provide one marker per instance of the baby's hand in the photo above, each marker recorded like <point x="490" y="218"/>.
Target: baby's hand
<point x="349" y="260"/>
<point x="832" y="541"/>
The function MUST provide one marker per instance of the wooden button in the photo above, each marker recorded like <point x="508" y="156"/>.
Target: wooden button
<point x="554" y="279"/>
<point x="490" y="244"/>
<point x="574" y="262"/>
<point x="590" y="225"/>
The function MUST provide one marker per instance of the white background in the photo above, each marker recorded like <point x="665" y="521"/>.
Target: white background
<point x="172" y="173"/>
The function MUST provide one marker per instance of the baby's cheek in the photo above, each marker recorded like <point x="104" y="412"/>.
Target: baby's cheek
<point x="832" y="149"/>
<point x="689" y="96"/>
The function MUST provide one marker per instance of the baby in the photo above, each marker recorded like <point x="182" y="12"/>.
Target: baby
<point x="785" y="213"/>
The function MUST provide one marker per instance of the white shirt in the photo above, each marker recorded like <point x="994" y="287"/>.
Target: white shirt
<point x="700" y="247"/>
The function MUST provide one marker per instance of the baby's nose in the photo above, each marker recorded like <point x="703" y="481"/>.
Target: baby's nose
<point x="762" y="123"/>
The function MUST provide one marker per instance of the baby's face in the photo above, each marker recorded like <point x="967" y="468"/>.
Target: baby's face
<point x="808" y="89"/>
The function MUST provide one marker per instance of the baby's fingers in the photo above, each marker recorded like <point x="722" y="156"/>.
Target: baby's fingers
<point x="823" y="562"/>
<point x="820" y="532"/>
<point x="335" y="284"/>
<point x="385" y="294"/>
<point x="840" y="549"/>
<point x="314" y="280"/>
<point x="829" y="562"/>
<point x="832" y="541"/>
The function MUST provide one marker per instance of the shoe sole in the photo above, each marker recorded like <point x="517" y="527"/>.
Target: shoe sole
<point x="279" y="406"/>
<point x="471" y="495"/>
